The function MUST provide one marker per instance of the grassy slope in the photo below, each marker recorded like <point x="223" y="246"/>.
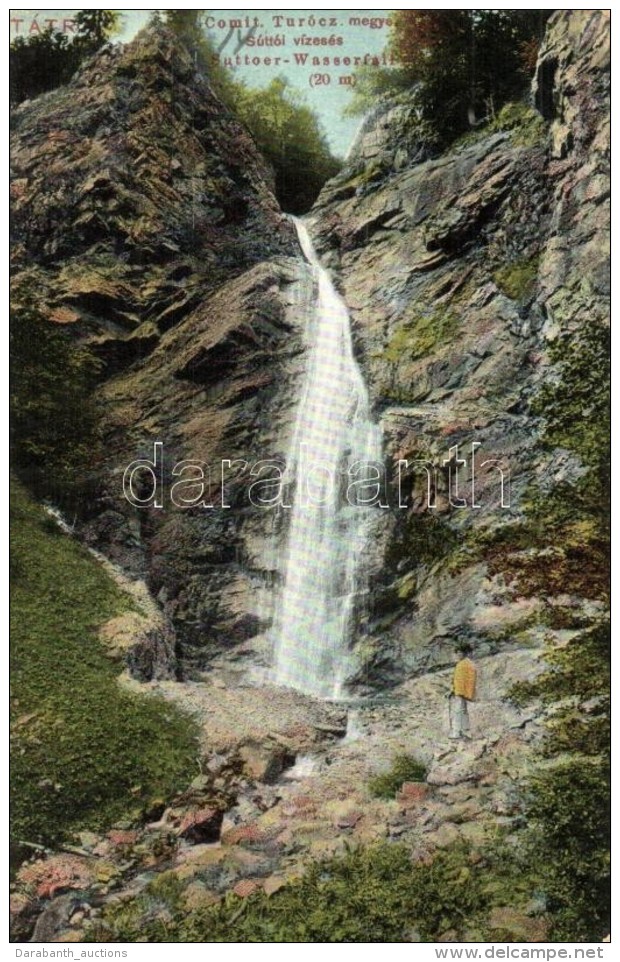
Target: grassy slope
<point x="84" y="753"/>
<point x="372" y="894"/>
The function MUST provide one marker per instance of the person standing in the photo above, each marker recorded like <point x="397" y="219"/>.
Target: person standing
<point x="463" y="691"/>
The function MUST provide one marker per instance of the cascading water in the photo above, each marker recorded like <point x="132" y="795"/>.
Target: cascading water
<point x="333" y="434"/>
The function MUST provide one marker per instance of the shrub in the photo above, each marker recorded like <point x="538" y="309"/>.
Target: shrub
<point x="53" y="407"/>
<point x="527" y="125"/>
<point x="405" y="768"/>
<point x="570" y="809"/>
<point x="372" y="894"/>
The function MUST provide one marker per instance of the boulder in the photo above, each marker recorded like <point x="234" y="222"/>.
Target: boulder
<point x="265" y="761"/>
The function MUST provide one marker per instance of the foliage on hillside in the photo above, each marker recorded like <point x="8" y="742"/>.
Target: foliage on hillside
<point x="372" y="894"/>
<point x="404" y="768"/>
<point x="463" y="64"/>
<point x="286" y="130"/>
<point x="576" y="409"/>
<point x="46" y="59"/>
<point x="54" y="415"/>
<point x="83" y="752"/>
<point x="570" y="803"/>
<point x="288" y="134"/>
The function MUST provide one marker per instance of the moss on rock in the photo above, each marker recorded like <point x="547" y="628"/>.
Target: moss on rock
<point x="517" y="279"/>
<point x="421" y="334"/>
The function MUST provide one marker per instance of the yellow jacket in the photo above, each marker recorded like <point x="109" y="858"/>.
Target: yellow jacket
<point x="464" y="682"/>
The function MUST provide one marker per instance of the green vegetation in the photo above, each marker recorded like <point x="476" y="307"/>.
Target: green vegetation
<point x="376" y="84"/>
<point x="372" y="894"/>
<point x="576" y="406"/>
<point x="286" y="130"/>
<point x="83" y="751"/>
<point x="54" y="415"/>
<point x="47" y="58"/>
<point x="464" y="66"/>
<point x="404" y="768"/>
<point x="526" y="126"/>
<point x="569" y="808"/>
<point x="570" y="803"/>
<point x="517" y="280"/>
<point x="420" y="335"/>
<point x="372" y="173"/>
<point x="288" y="134"/>
<point x="578" y="673"/>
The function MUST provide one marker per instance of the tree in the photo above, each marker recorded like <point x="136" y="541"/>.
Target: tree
<point x="42" y="62"/>
<point x="375" y="84"/>
<point x="94" y="28"/>
<point x="54" y="413"/>
<point x="468" y="63"/>
<point x="289" y="135"/>
<point x="49" y="59"/>
<point x="286" y="130"/>
<point x="464" y="64"/>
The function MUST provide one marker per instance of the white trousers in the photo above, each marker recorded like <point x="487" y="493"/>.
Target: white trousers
<point x="459" y="716"/>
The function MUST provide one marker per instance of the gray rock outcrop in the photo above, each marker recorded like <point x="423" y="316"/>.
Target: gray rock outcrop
<point x="459" y="272"/>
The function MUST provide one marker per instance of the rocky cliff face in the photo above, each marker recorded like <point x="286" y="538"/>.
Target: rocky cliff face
<point x="145" y="220"/>
<point x="459" y="272"/>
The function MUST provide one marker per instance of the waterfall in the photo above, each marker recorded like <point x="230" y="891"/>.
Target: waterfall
<point x="327" y="534"/>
